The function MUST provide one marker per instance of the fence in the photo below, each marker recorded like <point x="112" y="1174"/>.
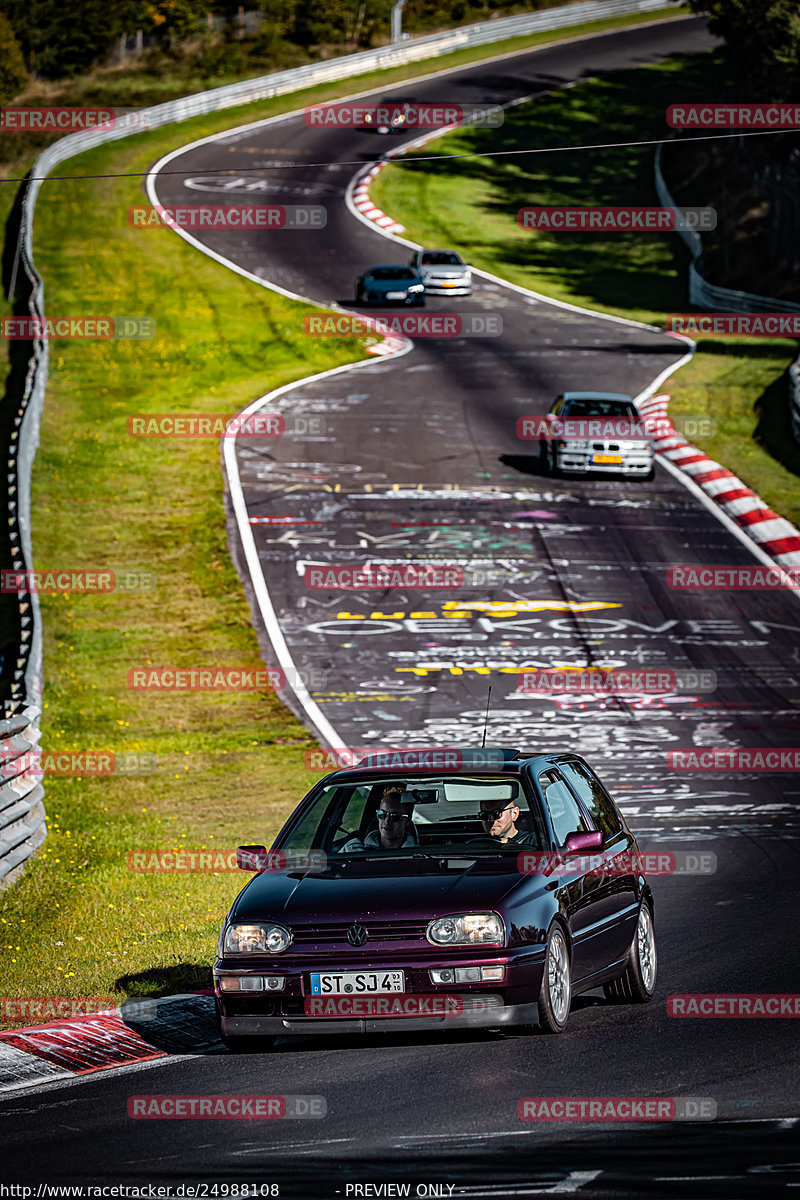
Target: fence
<point x="703" y="294"/>
<point x="22" y="829"/>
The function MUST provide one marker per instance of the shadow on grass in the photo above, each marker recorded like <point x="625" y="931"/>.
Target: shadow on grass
<point x="774" y="431"/>
<point x="542" y="155"/>
<point x="166" y="981"/>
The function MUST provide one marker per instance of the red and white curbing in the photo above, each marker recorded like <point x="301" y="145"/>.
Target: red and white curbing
<point x="772" y="533"/>
<point x="387" y="344"/>
<point x="136" y="1032"/>
<point x="362" y="201"/>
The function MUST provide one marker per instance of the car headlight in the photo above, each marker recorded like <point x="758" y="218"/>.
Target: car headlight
<point x="256" y="939"/>
<point x="573" y="444"/>
<point x="469" y="929"/>
<point x="417" y="287"/>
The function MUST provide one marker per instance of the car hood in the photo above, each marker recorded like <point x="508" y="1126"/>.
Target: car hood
<point x="444" y="272"/>
<point x="371" y="888"/>
<point x="391" y="285"/>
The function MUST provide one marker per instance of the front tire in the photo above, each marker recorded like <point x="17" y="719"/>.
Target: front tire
<point x="555" y="994"/>
<point x="638" y="984"/>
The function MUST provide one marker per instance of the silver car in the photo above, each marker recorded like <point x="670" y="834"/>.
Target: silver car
<point x="443" y="271"/>
<point x="595" y="431"/>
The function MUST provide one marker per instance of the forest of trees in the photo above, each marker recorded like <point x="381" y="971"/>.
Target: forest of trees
<point x="56" y="39"/>
<point x="59" y="38"/>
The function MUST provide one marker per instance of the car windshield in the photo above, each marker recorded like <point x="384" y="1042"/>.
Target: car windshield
<point x="436" y="815"/>
<point x="392" y="273"/>
<point x="441" y="258"/>
<point x="589" y="407"/>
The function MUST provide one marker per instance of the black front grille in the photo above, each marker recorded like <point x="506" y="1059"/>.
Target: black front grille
<point x="377" y="931"/>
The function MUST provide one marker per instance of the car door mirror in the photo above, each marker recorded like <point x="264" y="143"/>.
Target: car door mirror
<point x="251" y="858"/>
<point x="578" y="841"/>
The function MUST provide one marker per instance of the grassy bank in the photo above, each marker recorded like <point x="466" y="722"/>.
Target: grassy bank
<point x="472" y="204"/>
<point x="228" y="767"/>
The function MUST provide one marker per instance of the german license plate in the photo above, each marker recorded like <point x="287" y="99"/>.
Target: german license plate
<point x="357" y="983"/>
<point x="607" y="458"/>
<point x="395" y="295"/>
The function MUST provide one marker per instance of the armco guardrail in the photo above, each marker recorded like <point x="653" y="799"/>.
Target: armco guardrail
<point x="702" y="293"/>
<point x="707" y="295"/>
<point x="22" y="828"/>
<point x="794" y="398"/>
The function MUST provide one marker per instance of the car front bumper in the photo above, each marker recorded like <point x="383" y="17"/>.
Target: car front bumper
<point x="286" y="1011"/>
<point x="481" y="1016"/>
<point x="438" y="288"/>
<point x="580" y="462"/>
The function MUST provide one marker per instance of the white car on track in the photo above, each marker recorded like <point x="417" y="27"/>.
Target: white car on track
<point x="443" y="271"/>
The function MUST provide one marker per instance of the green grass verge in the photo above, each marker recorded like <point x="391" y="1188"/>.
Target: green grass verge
<point x="472" y="204"/>
<point x="229" y="768"/>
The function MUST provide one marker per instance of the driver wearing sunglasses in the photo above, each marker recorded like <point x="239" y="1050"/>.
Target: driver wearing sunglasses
<point x="499" y="821"/>
<point x="395" y="831"/>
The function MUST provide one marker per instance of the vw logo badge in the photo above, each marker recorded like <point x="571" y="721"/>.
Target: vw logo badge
<point x="356" y="935"/>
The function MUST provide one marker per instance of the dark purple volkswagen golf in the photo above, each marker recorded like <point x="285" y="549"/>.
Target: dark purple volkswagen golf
<point x="442" y="889"/>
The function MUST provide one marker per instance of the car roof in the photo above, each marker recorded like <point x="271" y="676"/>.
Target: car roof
<point x="394" y="266"/>
<point x="488" y="760"/>
<point x="596" y="396"/>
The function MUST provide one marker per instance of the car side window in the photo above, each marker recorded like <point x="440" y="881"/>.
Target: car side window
<point x="590" y="792"/>
<point x="354" y="812"/>
<point x="564" y="810"/>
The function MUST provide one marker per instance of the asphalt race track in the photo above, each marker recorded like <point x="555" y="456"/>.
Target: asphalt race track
<point x="416" y="457"/>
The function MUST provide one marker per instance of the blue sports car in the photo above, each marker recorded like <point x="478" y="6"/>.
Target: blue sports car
<point x="390" y="284"/>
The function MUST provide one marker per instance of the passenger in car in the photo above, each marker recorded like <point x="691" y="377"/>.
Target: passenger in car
<point x="500" y="821"/>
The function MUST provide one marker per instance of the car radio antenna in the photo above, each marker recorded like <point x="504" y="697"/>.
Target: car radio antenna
<point x="486" y="718"/>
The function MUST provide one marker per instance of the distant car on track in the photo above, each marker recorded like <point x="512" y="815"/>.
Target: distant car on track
<point x="437" y="923"/>
<point x="390" y="116"/>
<point x="390" y="284"/>
<point x="443" y="271"/>
<point x="596" y="441"/>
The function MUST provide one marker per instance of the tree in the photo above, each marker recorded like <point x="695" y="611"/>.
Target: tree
<point x="66" y="37"/>
<point x="13" y="75"/>
<point x="762" y="44"/>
